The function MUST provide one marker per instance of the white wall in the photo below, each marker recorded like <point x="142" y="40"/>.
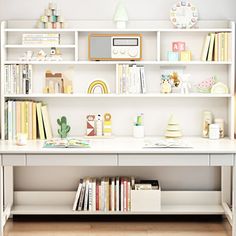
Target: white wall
<point x="104" y="9"/>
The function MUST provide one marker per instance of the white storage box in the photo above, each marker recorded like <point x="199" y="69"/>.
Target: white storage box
<point x="145" y="200"/>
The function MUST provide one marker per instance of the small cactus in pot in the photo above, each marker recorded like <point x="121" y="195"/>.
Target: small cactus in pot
<point x="64" y="127"/>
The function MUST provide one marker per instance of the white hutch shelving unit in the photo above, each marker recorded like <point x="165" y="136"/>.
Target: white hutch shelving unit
<point x="157" y="39"/>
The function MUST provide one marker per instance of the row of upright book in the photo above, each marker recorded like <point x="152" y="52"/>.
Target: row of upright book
<point x="18" y="79"/>
<point x="109" y="193"/>
<point x="131" y="79"/>
<point x="216" y="47"/>
<point x="41" y="39"/>
<point x="29" y="117"/>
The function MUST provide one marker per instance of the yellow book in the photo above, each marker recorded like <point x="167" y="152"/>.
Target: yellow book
<point x="30" y="124"/>
<point x="18" y="117"/>
<point x="226" y="47"/>
<point x="46" y="121"/>
<point x="222" y="45"/>
<point x="23" y="120"/>
<point x="40" y="121"/>
<point x="216" y="56"/>
<point x="34" y="121"/>
<point x="27" y="119"/>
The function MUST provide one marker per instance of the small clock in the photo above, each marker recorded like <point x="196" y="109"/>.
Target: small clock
<point x="184" y="15"/>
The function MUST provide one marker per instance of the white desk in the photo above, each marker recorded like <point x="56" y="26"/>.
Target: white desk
<point x="121" y="152"/>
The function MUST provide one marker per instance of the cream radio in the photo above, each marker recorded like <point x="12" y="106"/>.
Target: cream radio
<point x="124" y="47"/>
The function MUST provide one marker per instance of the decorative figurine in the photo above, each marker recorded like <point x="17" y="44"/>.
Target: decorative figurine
<point x="41" y="56"/>
<point x="27" y="56"/>
<point x="174" y="77"/>
<point x="56" y="83"/>
<point x="165" y="84"/>
<point x="99" y="125"/>
<point x="91" y="125"/>
<point x="185" y="84"/>
<point x="173" y="129"/>
<point x="64" y="127"/>
<point x="55" y="54"/>
<point x="107" y="131"/>
<point x="121" y="15"/>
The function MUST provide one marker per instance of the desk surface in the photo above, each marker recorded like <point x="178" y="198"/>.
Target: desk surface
<point x="124" y="145"/>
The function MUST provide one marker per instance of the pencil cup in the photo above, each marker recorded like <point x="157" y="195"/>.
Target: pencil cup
<point x="21" y="139"/>
<point x="138" y="131"/>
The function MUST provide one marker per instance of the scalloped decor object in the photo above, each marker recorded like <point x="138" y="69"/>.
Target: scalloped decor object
<point x="219" y="88"/>
<point x="184" y="15"/>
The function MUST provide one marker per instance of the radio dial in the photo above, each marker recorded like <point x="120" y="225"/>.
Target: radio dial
<point x="133" y="52"/>
<point x="115" y="51"/>
<point x="122" y="51"/>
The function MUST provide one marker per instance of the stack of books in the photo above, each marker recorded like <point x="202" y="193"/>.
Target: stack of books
<point x="131" y="79"/>
<point x="109" y="193"/>
<point x="18" y="79"/>
<point x="216" y="47"/>
<point x="27" y="117"/>
<point x="41" y="39"/>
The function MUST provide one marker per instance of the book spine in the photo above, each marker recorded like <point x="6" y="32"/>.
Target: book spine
<point x="122" y="194"/>
<point x="125" y="195"/>
<point x="97" y="195"/>
<point x="75" y="205"/>
<point x="100" y="196"/>
<point x="81" y="199"/>
<point x="107" y="197"/>
<point x="6" y="120"/>
<point x="14" y="120"/>
<point x="27" y="119"/>
<point x="30" y="78"/>
<point x="113" y="194"/>
<point x="94" y="195"/>
<point x="90" y="197"/>
<point x="86" y="195"/>
<point x="17" y="79"/>
<point x="6" y="90"/>
<point x="117" y="194"/>
<point x="9" y="120"/>
<point x="143" y="80"/>
<point x="18" y="116"/>
<point x="129" y="196"/>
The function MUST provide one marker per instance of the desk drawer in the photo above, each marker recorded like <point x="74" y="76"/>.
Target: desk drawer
<point x="221" y="159"/>
<point x="164" y="160"/>
<point x="71" y="160"/>
<point x="14" y="160"/>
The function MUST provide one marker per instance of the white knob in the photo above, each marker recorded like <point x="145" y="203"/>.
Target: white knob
<point x="122" y="51"/>
<point x="115" y="51"/>
<point x="133" y="52"/>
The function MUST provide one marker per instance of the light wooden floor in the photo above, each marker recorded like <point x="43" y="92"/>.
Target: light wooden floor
<point x="117" y="229"/>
